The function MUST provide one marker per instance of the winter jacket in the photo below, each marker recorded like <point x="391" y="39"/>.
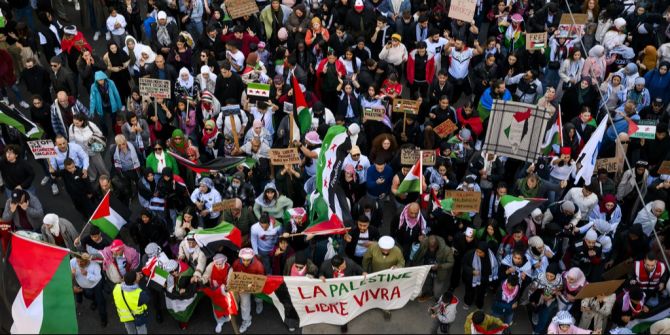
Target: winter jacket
<point x="444" y="256"/>
<point x="34" y="213"/>
<point x="67" y="232"/>
<point x="96" y="97"/>
<point x="276" y="208"/>
<point x="57" y="122"/>
<point x="196" y="257"/>
<point x="430" y="67"/>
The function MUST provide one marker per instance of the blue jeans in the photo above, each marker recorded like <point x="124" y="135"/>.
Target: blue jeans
<point x="551" y="78"/>
<point x="544" y="315"/>
<point x="503" y="310"/>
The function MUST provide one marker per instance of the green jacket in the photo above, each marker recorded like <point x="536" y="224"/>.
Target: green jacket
<point x="170" y="162"/>
<point x="266" y="18"/>
<point x="490" y="323"/>
<point x="444" y="256"/>
<point x="374" y="261"/>
<point x="277" y="211"/>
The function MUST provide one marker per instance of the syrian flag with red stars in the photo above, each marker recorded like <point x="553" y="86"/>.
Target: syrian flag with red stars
<point x="36" y="289"/>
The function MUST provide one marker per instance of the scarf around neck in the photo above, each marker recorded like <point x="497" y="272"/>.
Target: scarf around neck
<point x="477" y="266"/>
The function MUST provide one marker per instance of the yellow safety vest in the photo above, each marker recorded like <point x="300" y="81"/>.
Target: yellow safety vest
<point x="127" y="312"/>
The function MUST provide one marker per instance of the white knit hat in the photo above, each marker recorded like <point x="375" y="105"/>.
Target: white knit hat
<point x="563" y="318"/>
<point x="619" y="22"/>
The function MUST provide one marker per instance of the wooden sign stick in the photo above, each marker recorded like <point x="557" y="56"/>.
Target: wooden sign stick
<point x="235" y="135"/>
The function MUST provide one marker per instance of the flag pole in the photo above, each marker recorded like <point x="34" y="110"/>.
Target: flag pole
<point x="560" y="126"/>
<point x="321" y="232"/>
<point x="91" y="218"/>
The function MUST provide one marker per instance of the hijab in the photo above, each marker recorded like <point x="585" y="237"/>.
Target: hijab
<point x="650" y="57"/>
<point x="607" y="198"/>
<point x="578" y="276"/>
<point x="188" y="83"/>
<point x="118" y="58"/>
<point x="209" y="136"/>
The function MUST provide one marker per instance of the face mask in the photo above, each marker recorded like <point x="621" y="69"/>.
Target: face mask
<point x="235" y="185"/>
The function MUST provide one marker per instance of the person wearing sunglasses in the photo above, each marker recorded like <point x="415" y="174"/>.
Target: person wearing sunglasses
<point x="159" y="159"/>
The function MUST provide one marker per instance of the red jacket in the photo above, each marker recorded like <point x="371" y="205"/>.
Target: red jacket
<point x="648" y="281"/>
<point x="245" y="41"/>
<point x="430" y="67"/>
<point x="255" y="267"/>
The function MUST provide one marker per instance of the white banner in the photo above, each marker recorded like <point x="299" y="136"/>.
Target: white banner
<point x="338" y="301"/>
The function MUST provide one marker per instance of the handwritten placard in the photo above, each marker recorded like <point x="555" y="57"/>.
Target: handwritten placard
<point x="223" y="205"/>
<point x="408" y="156"/>
<point x="241" y="282"/>
<point x="428" y="157"/>
<point x="463" y="10"/>
<point x="406" y="106"/>
<point x="445" y="128"/>
<point x="610" y="164"/>
<point x="284" y="156"/>
<point x="376" y="114"/>
<point x="156" y="88"/>
<point x="664" y="168"/>
<point x="569" y="28"/>
<point x="42" y="149"/>
<point x="536" y="41"/>
<point x="240" y="8"/>
<point x="465" y="201"/>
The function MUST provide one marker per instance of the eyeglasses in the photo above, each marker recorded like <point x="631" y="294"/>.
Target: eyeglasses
<point x="209" y="129"/>
<point x="158" y="149"/>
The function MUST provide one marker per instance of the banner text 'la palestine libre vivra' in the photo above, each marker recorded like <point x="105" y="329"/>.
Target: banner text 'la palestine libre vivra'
<point x="340" y="308"/>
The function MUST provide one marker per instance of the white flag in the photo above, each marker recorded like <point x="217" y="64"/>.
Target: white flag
<point x="589" y="154"/>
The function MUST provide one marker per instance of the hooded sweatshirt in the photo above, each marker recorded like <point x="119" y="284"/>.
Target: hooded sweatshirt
<point x="274" y="208"/>
<point x="209" y="198"/>
<point x="104" y="97"/>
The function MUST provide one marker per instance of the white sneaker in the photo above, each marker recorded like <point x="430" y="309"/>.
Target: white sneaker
<point x="245" y="325"/>
<point x="108" y="36"/>
<point x="45" y="181"/>
<point x="54" y="189"/>
<point x="259" y="308"/>
<point x="24" y="105"/>
<point x="218" y="327"/>
<point x="96" y="36"/>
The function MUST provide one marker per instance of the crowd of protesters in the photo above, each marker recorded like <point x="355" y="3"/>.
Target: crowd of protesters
<point x="347" y="56"/>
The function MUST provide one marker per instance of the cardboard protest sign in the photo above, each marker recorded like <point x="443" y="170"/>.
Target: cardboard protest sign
<point x="445" y="128"/>
<point x="288" y="107"/>
<point x="599" y="288"/>
<point x="465" y="201"/>
<point x="664" y="168"/>
<point x="408" y="156"/>
<point x="230" y="110"/>
<point x="428" y="157"/>
<point x="284" y="156"/>
<point x="463" y="10"/>
<point x="239" y="8"/>
<point x="516" y="130"/>
<point x="406" y="106"/>
<point x="337" y="301"/>
<point x="42" y="148"/>
<point x="621" y="270"/>
<point x="156" y="88"/>
<point x="645" y="129"/>
<point x="611" y="164"/>
<point x="241" y="282"/>
<point x="536" y="41"/>
<point x="223" y="205"/>
<point x="376" y="114"/>
<point x="568" y="28"/>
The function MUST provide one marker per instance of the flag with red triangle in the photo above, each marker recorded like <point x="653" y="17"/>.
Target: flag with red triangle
<point x="36" y="294"/>
<point x="303" y="114"/>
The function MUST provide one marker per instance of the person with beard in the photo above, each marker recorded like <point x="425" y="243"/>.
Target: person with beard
<point x="37" y="80"/>
<point x="528" y="86"/>
<point x="483" y="74"/>
<point x="62" y="78"/>
<point x="463" y="243"/>
<point x="586" y="255"/>
<point x="656" y="111"/>
<point x="239" y="189"/>
<point x="439" y="113"/>
<point x="475" y="275"/>
<point x="242" y="217"/>
<point x="497" y="91"/>
<point x="420" y="69"/>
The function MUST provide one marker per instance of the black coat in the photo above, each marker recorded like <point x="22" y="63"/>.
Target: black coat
<point x="350" y="247"/>
<point x="229" y="88"/>
<point x="37" y="81"/>
<point x="467" y="268"/>
<point x="570" y="105"/>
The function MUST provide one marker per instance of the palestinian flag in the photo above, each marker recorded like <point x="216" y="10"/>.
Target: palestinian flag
<point x="519" y="118"/>
<point x="15" y="119"/>
<point x="412" y="181"/>
<point x="110" y="216"/>
<point x="304" y="115"/>
<point x="36" y="294"/>
<point x="553" y="138"/>
<point x="258" y="92"/>
<point x="517" y="209"/>
<point x="181" y="307"/>
<point x="334" y="149"/>
<point x="223" y="302"/>
<point x="215" y="165"/>
<point x="642" y="325"/>
<point x="632" y="127"/>
<point x="276" y="293"/>
<point x="224" y="235"/>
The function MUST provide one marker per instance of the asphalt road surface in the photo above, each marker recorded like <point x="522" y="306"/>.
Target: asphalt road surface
<point x="413" y="318"/>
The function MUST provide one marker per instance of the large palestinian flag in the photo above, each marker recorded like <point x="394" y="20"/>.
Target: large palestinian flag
<point x="334" y="149"/>
<point x="517" y="209"/>
<point x="412" y="181"/>
<point x="13" y="118"/>
<point x="36" y="289"/>
<point x="182" y="306"/>
<point x="216" y="239"/>
<point x="215" y="165"/>
<point x="553" y="138"/>
<point x="109" y="216"/>
<point x="644" y="321"/>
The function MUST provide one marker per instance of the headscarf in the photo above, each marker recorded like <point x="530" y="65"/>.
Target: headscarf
<point x="181" y="147"/>
<point x="118" y="58"/>
<point x="187" y="84"/>
<point x="162" y="34"/>
<point x="650" y="57"/>
<point x="405" y="219"/>
<point x="207" y="137"/>
<point x="191" y="150"/>
<point x="147" y="50"/>
<point x="608" y="198"/>
<point x="576" y="274"/>
<point x="77" y="41"/>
